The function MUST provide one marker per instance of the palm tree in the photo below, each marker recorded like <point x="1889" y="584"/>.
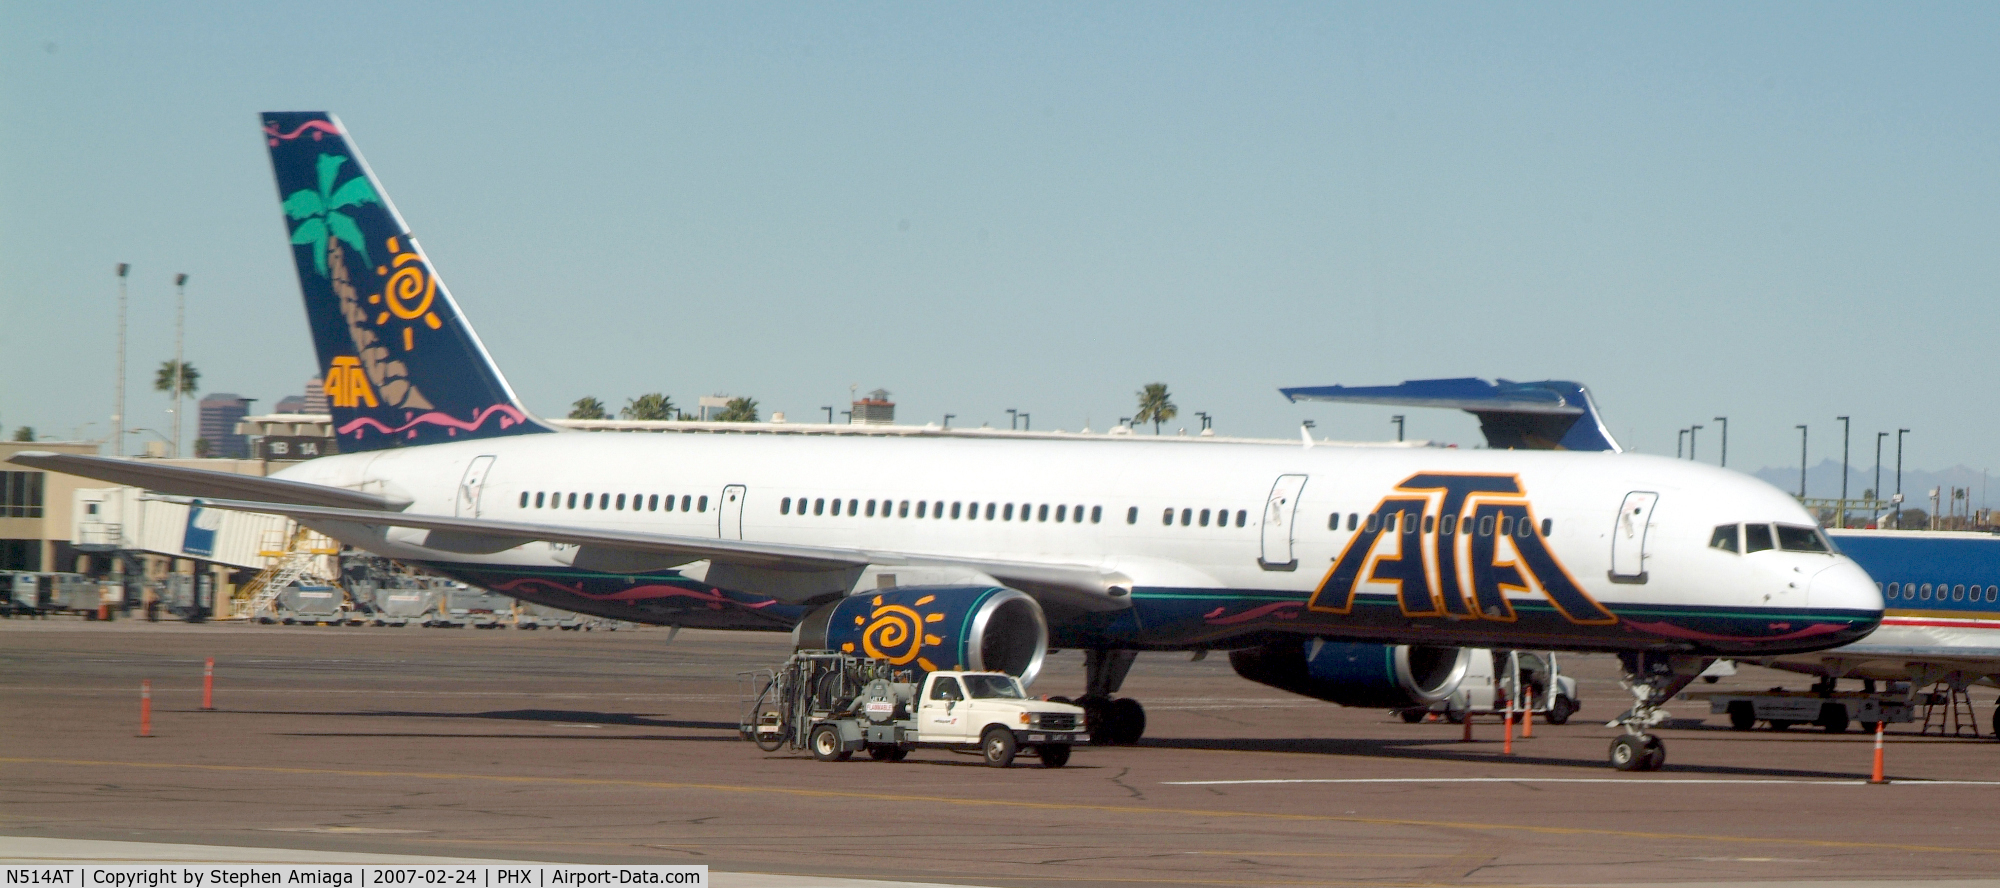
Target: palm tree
<point x="738" y="410"/>
<point x="190" y="378"/>
<point x="1155" y="405"/>
<point x="587" y="407"/>
<point x="321" y="211"/>
<point x="653" y="406"/>
<point x="24" y="433"/>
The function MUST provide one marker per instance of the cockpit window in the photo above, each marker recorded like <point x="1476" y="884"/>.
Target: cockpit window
<point x="1793" y="538"/>
<point x="989" y="687"/>
<point x="1756" y="537"/>
<point x="1723" y="538"/>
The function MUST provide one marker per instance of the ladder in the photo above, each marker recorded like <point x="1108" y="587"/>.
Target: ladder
<point x="1949" y="706"/>
<point x="288" y="561"/>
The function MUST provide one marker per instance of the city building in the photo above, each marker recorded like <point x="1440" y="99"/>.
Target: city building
<point x="219" y="414"/>
<point x="876" y="409"/>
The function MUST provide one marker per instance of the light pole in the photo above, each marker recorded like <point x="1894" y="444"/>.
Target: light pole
<point x="1013" y="419"/>
<point x="1398" y="420"/>
<point x="829" y="415"/>
<point x="1725" y="439"/>
<point x="947" y="419"/>
<point x="1899" y="462"/>
<point x="1691" y="433"/>
<point x="1878" y="477"/>
<point x="118" y="402"/>
<point x="180" y="316"/>
<point x="1845" y="439"/>
<point x="1680" y="443"/>
<point x="1027" y="423"/>
<point x="1204" y="420"/>
<point x="1802" y="462"/>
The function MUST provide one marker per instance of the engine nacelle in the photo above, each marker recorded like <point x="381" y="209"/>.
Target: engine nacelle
<point x="1376" y="675"/>
<point x="928" y="628"/>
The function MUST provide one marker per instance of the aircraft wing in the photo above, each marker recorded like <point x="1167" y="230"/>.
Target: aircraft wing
<point x="1547" y="415"/>
<point x="1083" y="586"/>
<point x="182" y="481"/>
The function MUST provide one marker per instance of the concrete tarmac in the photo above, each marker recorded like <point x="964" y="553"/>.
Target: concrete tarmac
<point x="621" y="747"/>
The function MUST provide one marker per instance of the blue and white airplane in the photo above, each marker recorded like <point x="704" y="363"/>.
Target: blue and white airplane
<point x="1942" y="588"/>
<point x="1351" y="574"/>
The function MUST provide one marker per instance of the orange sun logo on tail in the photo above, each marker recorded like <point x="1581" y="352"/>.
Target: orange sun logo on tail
<point x="408" y="295"/>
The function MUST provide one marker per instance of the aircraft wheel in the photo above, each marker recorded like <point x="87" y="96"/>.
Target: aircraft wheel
<point x="997" y="745"/>
<point x="1128" y="721"/>
<point x="1411" y="716"/>
<point x="1833" y="717"/>
<point x="825" y="744"/>
<point x="1656" y="753"/>
<point x="1742" y="716"/>
<point x="1097" y="718"/>
<point x="1560" y="709"/>
<point x="1054" y="755"/>
<point x="1629" y="753"/>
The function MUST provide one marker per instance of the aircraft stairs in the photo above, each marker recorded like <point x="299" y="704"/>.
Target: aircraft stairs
<point x="1948" y="706"/>
<point x="294" y="559"/>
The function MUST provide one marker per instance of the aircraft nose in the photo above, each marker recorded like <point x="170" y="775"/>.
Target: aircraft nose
<point x="1846" y="586"/>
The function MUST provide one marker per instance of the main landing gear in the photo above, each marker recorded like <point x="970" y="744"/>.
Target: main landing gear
<point x="1653" y="679"/>
<point x="1113" y="721"/>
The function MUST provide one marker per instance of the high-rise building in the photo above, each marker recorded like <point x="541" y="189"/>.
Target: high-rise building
<point x="316" y="396"/>
<point x="219" y="414"/>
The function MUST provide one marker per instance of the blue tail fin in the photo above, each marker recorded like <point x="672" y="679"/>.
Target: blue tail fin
<point x="402" y="366"/>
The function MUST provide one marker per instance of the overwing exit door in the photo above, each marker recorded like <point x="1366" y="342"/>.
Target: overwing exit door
<point x="1280" y="509"/>
<point x="731" y="517"/>
<point x="470" y="486"/>
<point x="1628" y="537"/>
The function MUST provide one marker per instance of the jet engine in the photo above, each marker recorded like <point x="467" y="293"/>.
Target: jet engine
<point x="928" y="628"/>
<point x="1375" y="675"/>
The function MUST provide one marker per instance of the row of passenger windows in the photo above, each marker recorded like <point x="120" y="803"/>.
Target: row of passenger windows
<point x="1952" y="592"/>
<point x="1191" y="517"/>
<point x="860" y="508"/>
<point x="640" y="502"/>
<point x="1487" y="525"/>
<point x="1747" y="538"/>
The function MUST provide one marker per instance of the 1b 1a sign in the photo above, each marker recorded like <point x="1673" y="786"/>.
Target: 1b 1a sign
<point x="295" y="447"/>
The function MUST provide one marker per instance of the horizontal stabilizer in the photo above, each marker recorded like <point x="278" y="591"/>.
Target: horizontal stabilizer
<point x="1547" y="415"/>
<point x="183" y="481"/>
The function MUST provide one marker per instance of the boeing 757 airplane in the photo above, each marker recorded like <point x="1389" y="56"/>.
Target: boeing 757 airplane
<point x="1351" y="574"/>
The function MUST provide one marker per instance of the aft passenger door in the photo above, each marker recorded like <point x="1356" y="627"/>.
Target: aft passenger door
<point x="1280" y="508"/>
<point x="1628" y="537"/>
<point x="731" y="517"/>
<point x="470" y="486"/>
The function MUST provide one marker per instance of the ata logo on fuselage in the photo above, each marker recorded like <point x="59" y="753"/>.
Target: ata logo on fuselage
<point x="1453" y="545"/>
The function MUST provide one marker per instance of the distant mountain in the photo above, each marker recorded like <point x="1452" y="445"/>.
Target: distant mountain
<point x="1823" y="480"/>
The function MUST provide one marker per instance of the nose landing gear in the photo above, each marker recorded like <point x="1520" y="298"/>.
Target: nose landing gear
<point x="1653" y="679"/>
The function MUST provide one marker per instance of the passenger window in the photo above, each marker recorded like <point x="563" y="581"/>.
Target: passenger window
<point x="1353" y="520"/>
<point x="1062" y="512"/>
<point x="686" y="501"/>
<point x="1241" y="517"/>
<point x="923" y="508"/>
<point x="1486" y="525"/>
<point x="1794" y="538"/>
<point x="653" y="503"/>
<point x="1187" y="517"/>
<point x="785" y="506"/>
<point x="819" y="507"/>
<point x="853" y="507"/>
<point x="990" y="510"/>
<point x="1428" y="525"/>
<point x="1167" y="517"/>
<point x="1506" y="525"/>
<point x="1096" y="513"/>
<point x="1446" y="526"/>
<point x="1958" y="592"/>
<point x="1333" y="521"/>
<point x="702" y="505"/>
<point x="524" y="503"/>
<point x="1042" y="514"/>
<point x="1924" y="592"/>
<point x="1204" y="517"/>
<point x="1890" y="590"/>
<point x="1548" y="526"/>
<point x="1007" y="513"/>
<point x="1131" y="514"/>
<point x="1723" y="538"/>
<point x="1991" y="592"/>
<point x="871" y="508"/>
<point x="903" y="510"/>
<point x="1465" y="524"/>
<point x="1756" y="538"/>
<point x="621" y="502"/>
<point x="954" y="511"/>
<point x="1374" y="522"/>
<point x="586" y="500"/>
<point x="937" y="510"/>
<point x="540" y="498"/>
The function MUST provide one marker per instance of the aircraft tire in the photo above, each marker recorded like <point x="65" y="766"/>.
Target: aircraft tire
<point x="825" y="744"/>
<point x="1128" y="721"/>
<point x="1833" y="717"/>
<point x="1560" y="709"/>
<point x="996" y="745"/>
<point x="1996" y="722"/>
<point x="1054" y="755"/>
<point x="1411" y="716"/>
<point x="1656" y="753"/>
<point x="1097" y="718"/>
<point x="1628" y="753"/>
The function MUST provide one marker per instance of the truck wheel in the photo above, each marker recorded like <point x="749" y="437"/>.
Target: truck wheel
<point x="1742" y="715"/>
<point x="997" y="744"/>
<point x="1411" y="716"/>
<point x="881" y="752"/>
<point x="1560" y="709"/>
<point x="1779" y="724"/>
<point x="825" y="745"/>
<point x="1054" y="755"/>
<point x="1833" y="717"/>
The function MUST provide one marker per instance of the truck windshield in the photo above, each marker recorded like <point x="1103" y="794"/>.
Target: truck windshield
<point x="993" y="686"/>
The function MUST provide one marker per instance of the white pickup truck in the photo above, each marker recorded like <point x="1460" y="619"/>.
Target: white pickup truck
<point x="984" y="711"/>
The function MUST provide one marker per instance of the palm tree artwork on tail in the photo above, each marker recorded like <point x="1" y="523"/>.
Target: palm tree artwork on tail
<point x="329" y="232"/>
<point x="1155" y="405"/>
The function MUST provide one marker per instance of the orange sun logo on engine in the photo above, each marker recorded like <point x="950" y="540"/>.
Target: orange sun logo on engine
<point x="898" y="634"/>
<point x="408" y="294"/>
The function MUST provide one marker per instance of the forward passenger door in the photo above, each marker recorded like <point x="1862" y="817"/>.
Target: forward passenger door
<point x="1280" y="509"/>
<point x="1628" y="537"/>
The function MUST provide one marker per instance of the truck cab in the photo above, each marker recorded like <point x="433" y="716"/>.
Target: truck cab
<point x="984" y="711"/>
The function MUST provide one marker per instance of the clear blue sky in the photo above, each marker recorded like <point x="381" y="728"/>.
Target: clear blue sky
<point x="1775" y="212"/>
